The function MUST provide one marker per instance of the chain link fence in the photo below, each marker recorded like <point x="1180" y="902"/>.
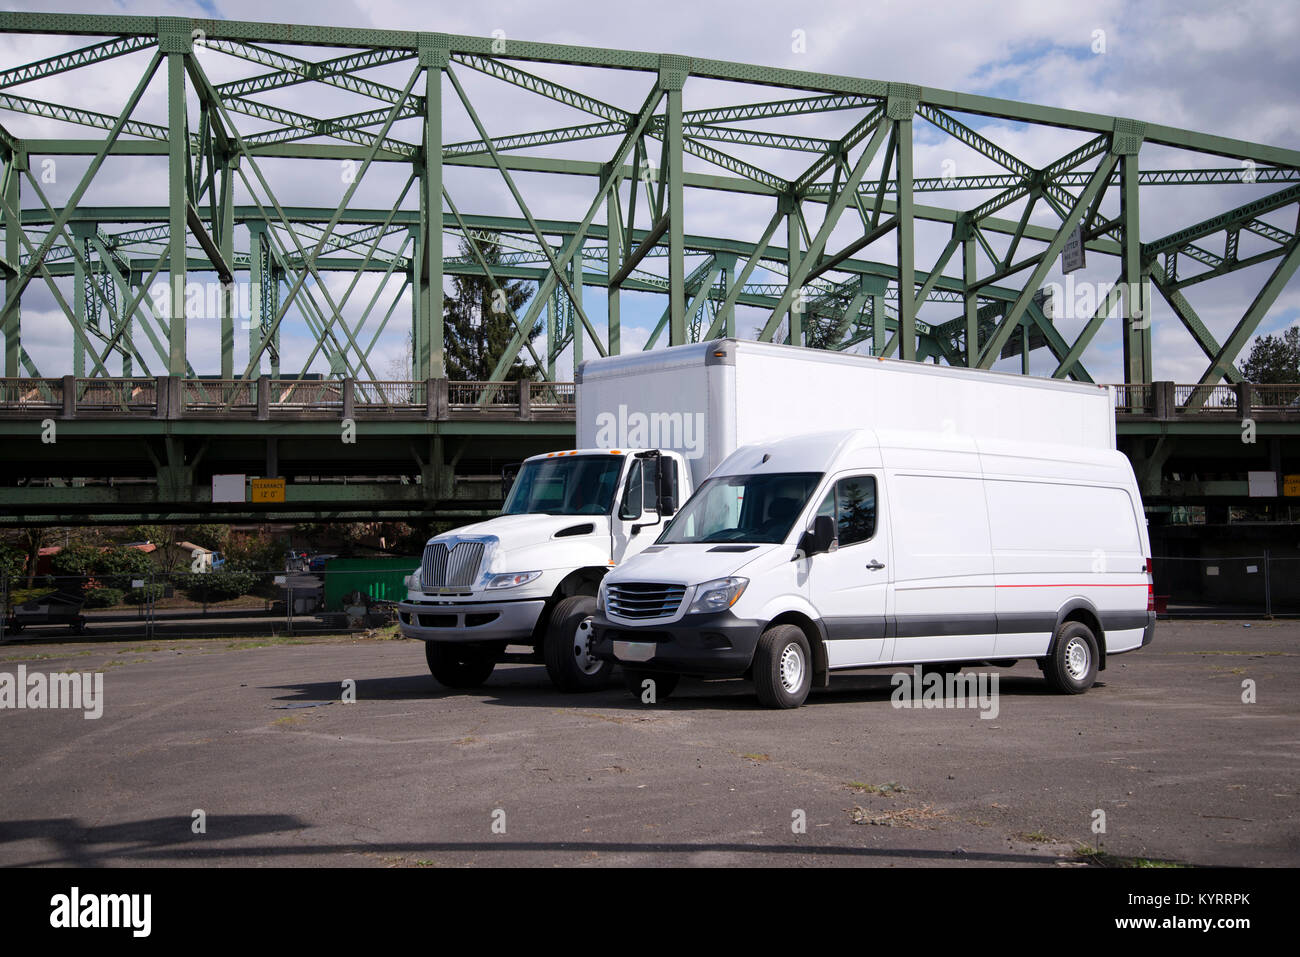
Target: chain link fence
<point x="363" y="595"/>
<point x="1246" y="586"/>
<point x="210" y="604"/>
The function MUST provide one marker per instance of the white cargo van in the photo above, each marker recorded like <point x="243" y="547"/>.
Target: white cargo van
<point x="650" y="427"/>
<point x="862" y="548"/>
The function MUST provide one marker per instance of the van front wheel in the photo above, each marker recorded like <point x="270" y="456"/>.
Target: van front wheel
<point x="1071" y="666"/>
<point x="782" y="667"/>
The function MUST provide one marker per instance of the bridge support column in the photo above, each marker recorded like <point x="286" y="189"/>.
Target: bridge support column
<point x="15" y="165"/>
<point x="178" y="201"/>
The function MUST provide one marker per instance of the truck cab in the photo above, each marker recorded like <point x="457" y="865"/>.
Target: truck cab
<point x="529" y="576"/>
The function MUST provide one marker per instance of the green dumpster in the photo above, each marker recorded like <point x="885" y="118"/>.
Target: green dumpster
<point x="379" y="579"/>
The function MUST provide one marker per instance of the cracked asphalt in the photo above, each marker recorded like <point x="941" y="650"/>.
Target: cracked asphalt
<point x="256" y="737"/>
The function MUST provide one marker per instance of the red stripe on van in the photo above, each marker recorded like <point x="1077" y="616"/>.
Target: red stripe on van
<point x="1087" y="585"/>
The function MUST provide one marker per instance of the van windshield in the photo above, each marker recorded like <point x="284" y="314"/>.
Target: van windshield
<point x="565" y="485"/>
<point x="743" y="508"/>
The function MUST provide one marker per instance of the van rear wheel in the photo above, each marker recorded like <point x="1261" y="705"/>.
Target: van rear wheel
<point x="1071" y="666"/>
<point x="782" y="667"/>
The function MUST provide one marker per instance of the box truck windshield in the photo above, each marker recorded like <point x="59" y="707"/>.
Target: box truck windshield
<point x="565" y="485"/>
<point x="753" y="509"/>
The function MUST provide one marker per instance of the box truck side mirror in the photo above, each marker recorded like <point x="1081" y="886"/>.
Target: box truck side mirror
<point x="666" y="485"/>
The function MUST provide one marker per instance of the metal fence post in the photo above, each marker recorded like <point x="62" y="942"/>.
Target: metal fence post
<point x="4" y="604"/>
<point x="1268" y="589"/>
<point x="288" y="601"/>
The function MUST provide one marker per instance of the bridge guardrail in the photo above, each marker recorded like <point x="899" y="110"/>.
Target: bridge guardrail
<point x="443" y="399"/>
<point x="168" y="397"/>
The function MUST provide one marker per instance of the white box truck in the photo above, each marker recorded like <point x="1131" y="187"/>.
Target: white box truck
<point x="965" y="517"/>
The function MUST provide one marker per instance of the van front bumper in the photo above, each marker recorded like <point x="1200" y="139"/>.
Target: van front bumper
<point x="469" y="621"/>
<point x="717" y="645"/>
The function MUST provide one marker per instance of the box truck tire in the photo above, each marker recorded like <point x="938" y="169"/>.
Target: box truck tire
<point x="1071" y="666"/>
<point x="665" y="683"/>
<point x="567" y="647"/>
<point x="459" y="666"/>
<point x="782" y="667"/>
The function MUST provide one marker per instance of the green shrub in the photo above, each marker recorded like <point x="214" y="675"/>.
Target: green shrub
<point x="103" y="597"/>
<point x="217" y="586"/>
<point x="118" y="567"/>
<point x="138" y="596"/>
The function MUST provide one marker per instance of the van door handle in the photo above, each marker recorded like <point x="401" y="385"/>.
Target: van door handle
<point x="875" y="566"/>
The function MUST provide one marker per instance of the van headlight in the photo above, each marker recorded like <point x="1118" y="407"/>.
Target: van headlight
<point x="512" y="579"/>
<point x="717" y="595"/>
<point x="600" y="596"/>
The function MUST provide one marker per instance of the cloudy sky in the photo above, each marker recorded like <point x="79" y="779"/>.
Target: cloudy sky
<point x="1227" y="68"/>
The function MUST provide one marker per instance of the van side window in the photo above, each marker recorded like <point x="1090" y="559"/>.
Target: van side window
<point x="855" y="508"/>
<point x="827" y="507"/>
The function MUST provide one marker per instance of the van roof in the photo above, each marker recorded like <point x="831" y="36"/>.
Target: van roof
<point x="822" y="451"/>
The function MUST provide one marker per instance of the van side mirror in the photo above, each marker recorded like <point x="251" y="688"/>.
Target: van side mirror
<point x="819" y="538"/>
<point x="665" y="485"/>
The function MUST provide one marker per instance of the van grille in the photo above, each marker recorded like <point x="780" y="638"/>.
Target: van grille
<point x="644" y="599"/>
<point x="454" y="568"/>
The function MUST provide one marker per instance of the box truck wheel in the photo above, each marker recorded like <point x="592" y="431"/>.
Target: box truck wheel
<point x="1071" y="666"/>
<point x="459" y="666"/>
<point x="782" y="667"/>
<point x="567" y="648"/>
<point x="665" y="683"/>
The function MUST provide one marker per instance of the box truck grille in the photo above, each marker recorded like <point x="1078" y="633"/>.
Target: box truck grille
<point x="454" y="568"/>
<point x="643" y="599"/>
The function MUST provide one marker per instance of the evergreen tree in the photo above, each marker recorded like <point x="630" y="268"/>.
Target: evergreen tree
<point x="475" y="333"/>
<point x="1274" y="359"/>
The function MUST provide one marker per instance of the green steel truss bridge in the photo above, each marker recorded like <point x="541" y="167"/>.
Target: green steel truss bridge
<point x="319" y="185"/>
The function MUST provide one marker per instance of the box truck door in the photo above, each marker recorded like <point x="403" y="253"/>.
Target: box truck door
<point x="849" y="586"/>
<point x="636" y="522"/>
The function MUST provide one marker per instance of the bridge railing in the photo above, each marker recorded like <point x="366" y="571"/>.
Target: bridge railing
<point x="168" y="397"/>
<point x="31" y="395"/>
<point x="1276" y="398"/>
<point x="476" y="395"/>
<point x="1132" y="398"/>
<point x="218" y="396"/>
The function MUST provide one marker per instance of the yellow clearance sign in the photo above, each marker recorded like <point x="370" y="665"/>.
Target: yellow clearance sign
<point x="1291" y="486"/>
<point x="268" y="490"/>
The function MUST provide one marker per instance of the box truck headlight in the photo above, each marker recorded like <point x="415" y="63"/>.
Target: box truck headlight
<point x="512" y="579"/>
<point x="413" y="581"/>
<point x="717" y="595"/>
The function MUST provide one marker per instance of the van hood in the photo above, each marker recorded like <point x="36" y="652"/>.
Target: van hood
<point x="688" y="564"/>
